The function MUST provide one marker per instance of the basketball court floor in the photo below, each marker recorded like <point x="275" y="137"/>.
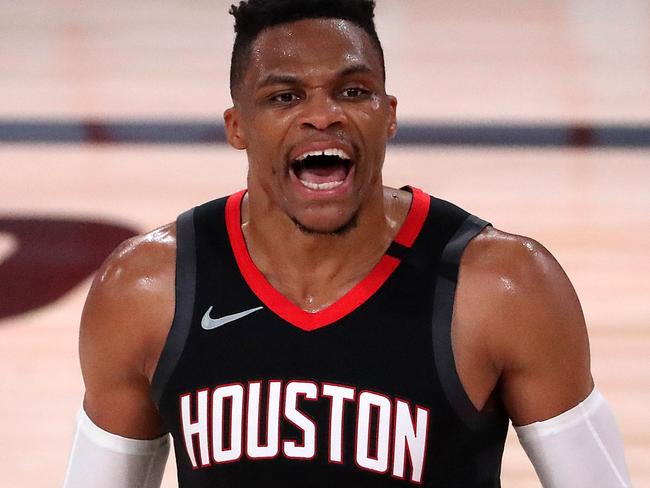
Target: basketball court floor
<point x="579" y="69"/>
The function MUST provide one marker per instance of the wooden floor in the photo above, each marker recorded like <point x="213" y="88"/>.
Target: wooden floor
<point x="505" y="60"/>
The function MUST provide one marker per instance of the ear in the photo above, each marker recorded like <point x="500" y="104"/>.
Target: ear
<point x="392" y="122"/>
<point x="234" y="132"/>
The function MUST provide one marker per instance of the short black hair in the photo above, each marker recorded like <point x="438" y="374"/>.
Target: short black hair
<point x="253" y="16"/>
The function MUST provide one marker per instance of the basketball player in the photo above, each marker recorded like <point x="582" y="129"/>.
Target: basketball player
<point x="319" y="329"/>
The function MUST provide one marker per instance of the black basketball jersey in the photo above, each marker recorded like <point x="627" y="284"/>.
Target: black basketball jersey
<point x="258" y="392"/>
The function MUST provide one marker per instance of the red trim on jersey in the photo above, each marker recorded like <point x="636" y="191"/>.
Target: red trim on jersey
<point x="415" y="219"/>
<point x="367" y="287"/>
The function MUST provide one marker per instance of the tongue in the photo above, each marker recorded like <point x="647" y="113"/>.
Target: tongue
<point x="325" y="174"/>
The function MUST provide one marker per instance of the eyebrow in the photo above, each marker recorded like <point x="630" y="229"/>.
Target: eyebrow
<point x="288" y="79"/>
<point x="357" y="68"/>
<point x="277" y="79"/>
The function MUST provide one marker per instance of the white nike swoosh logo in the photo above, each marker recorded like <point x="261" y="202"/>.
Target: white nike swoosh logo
<point x="208" y="323"/>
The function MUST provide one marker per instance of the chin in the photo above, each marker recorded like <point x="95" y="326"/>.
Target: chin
<point x="324" y="226"/>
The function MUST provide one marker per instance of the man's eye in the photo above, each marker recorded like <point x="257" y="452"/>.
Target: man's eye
<point x="355" y="92"/>
<point x="284" y="98"/>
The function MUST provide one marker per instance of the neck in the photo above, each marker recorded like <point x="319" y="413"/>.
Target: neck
<point x="314" y="270"/>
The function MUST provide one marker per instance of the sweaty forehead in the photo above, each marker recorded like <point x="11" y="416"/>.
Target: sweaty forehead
<point x="311" y="45"/>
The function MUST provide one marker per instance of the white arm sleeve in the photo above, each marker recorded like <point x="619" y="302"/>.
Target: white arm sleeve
<point x="104" y="460"/>
<point x="579" y="448"/>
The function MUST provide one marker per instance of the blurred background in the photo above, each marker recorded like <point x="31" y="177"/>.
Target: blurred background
<point x="534" y="115"/>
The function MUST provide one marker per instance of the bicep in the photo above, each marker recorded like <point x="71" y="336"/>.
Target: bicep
<point x="545" y="364"/>
<point x="112" y="349"/>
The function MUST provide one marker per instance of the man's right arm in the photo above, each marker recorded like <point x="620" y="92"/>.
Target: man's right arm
<point x="124" y="324"/>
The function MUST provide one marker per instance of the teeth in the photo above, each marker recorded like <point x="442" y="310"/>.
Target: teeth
<point x="326" y="152"/>
<point x="321" y="186"/>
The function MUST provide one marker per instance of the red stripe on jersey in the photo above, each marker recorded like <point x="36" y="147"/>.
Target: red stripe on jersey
<point x="415" y="220"/>
<point x="361" y="292"/>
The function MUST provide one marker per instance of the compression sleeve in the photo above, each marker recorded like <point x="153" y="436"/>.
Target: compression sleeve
<point x="104" y="460"/>
<point x="581" y="447"/>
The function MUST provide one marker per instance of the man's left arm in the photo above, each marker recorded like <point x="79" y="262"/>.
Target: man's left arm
<point x="563" y="422"/>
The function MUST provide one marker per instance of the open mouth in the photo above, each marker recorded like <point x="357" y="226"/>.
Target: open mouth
<point x="322" y="170"/>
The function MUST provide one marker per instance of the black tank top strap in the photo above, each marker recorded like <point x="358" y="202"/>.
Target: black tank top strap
<point x="445" y="291"/>
<point x="185" y="290"/>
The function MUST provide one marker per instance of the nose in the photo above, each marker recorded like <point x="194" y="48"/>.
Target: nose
<point x="321" y="111"/>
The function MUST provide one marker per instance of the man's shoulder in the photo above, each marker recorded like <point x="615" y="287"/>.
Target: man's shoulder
<point x="131" y="300"/>
<point x="512" y="288"/>
<point x="516" y="258"/>
<point x="509" y="282"/>
<point x="145" y="256"/>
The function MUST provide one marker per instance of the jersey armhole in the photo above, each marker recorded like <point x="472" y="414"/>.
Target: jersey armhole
<point x="185" y="286"/>
<point x="445" y="291"/>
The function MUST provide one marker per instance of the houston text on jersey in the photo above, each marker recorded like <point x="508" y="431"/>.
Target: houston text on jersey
<point x="222" y="424"/>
